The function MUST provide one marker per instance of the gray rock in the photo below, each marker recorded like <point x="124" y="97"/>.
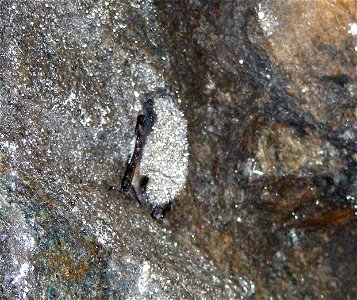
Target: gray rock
<point x="72" y="80"/>
<point x="268" y="209"/>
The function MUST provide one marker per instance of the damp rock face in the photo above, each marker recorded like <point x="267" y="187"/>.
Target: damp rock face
<point x="268" y="91"/>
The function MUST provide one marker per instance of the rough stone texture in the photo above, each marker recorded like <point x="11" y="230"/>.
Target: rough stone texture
<point x="269" y="93"/>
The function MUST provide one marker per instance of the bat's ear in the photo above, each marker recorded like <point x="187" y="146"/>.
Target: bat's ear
<point x="159" y="211"/>
<point x="149" y="111"/>
<point x="160" y="92"/>
<point x="144" y="182"/>
<point x="149" y="98"/>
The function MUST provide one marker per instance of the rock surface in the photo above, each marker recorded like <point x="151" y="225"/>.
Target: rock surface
<point x="269" y="94"/>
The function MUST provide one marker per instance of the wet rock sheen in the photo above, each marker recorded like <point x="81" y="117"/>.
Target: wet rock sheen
<point x="268" y="90"/>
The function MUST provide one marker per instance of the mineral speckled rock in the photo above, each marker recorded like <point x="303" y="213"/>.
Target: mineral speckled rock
<point x="269" y="94"/>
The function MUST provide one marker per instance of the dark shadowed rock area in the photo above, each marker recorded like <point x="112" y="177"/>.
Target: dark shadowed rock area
<point x="269" y="91"/>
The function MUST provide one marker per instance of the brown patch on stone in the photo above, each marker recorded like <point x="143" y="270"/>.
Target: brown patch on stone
<point x="310" y="40"/>
<point x="4" y="165"/>
<point x="341" y="216"/>
<point x="350" y="116"/>
<point x="296" y="175"/>
<point x="303" y="27"/>
<point x="64" y="264"/>
<point x="219" y="245"/>
<point x="288" y="193"/>
<point x="281" y="149"/>
<point x="43" y="197"/>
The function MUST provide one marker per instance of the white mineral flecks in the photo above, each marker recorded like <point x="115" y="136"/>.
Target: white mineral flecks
<point x="165" y="155"/>
<point x="352" y="28"/>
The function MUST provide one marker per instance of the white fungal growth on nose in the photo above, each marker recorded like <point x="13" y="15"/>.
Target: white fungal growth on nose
<point x="165" y="155"/>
